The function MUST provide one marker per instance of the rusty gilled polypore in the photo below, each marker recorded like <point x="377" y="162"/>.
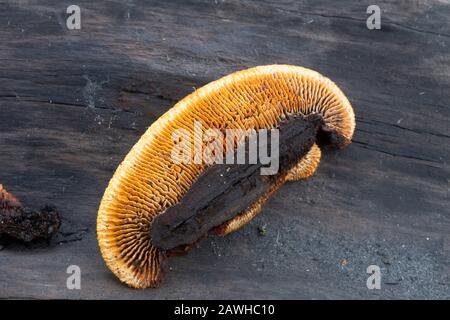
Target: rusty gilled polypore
<point x="154" y="207"/>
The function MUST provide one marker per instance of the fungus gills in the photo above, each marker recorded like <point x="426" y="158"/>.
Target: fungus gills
<point x="24" y="224"/>
<point x="154" y="207"/>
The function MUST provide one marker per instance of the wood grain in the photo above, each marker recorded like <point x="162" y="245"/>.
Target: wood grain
<point x="73" y="102"/>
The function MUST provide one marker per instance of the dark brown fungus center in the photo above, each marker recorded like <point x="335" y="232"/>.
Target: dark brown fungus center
<point x="224" y="190"/>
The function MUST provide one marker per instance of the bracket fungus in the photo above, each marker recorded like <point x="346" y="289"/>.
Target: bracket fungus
<point x="155" y="207"/>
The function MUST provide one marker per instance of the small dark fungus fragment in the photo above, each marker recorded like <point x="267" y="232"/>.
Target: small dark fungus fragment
<point x="24" y="224"/>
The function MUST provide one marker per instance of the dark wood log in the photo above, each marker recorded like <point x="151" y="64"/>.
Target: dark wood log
<point x="73" y="103"/>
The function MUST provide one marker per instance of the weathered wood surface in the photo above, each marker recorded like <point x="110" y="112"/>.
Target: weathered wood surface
<point x="72" y="103"/>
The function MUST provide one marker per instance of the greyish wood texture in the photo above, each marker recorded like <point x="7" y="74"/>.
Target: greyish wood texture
<point x="72" y="103"/>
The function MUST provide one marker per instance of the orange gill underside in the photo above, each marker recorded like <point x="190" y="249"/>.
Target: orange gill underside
<point x="148" y="181"/>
